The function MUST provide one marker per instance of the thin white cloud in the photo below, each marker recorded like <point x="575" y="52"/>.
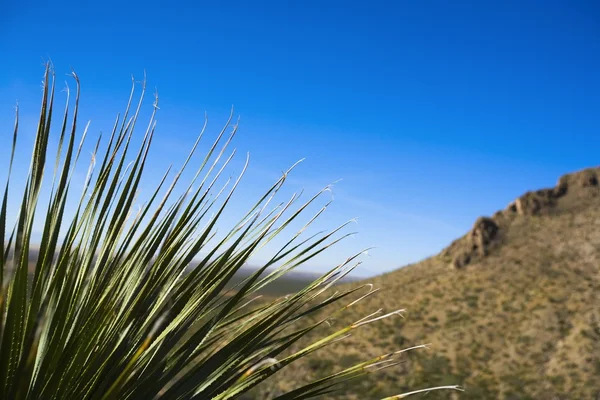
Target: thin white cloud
<point x="390" y="212"/>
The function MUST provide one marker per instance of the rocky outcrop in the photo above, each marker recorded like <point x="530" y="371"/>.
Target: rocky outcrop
<point x="476" y="243"/>
<point x="579" y="180"/>
<point x="482" y="234"/>
<point x="486" y="232"/>
<point x="533" y="203"/>
<point x="542" y="201"/>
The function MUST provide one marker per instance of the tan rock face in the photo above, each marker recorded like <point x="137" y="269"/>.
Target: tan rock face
<point x="483" y="232"/>
<point x="532" y="203"/>
<point x="476" y="244"/>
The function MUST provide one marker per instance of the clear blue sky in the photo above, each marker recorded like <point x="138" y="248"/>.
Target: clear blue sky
<point x="432" y="112"/>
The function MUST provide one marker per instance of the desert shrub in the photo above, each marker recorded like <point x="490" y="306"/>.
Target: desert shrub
<point x="515" y="386"/>
<point x="111" y="310"/>
<point x="347" y="360"/>
<point x="472" y="301"/>
<point x="481" y="388"/>
<point x="321" y="365"/>
<point x="432" y="368"/>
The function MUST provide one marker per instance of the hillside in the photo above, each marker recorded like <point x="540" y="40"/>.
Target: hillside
<point x="512" y="309"/>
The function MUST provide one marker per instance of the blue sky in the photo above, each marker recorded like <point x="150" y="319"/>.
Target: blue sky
<point x="432" y="112"/>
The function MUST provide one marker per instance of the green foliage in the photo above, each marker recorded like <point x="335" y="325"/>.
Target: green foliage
<point x="110" y="309"/>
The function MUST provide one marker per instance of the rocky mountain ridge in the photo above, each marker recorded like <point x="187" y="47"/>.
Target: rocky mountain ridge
<point x="487" y="232"/>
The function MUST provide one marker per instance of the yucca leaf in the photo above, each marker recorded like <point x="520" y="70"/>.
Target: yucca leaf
<point x="126" y="303"/>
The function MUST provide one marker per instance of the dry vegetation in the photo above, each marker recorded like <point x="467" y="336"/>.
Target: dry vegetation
<point x="511" y="312"/>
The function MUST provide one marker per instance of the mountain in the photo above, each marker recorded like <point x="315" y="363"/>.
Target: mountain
<point x="291" y="282"/>
<point x="511" y="309"/>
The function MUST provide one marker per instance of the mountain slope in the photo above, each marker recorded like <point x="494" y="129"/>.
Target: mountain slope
<point x="512" y="309"/>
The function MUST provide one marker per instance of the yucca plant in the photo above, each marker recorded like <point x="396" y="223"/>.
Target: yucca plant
<point x="111" y="310"/>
